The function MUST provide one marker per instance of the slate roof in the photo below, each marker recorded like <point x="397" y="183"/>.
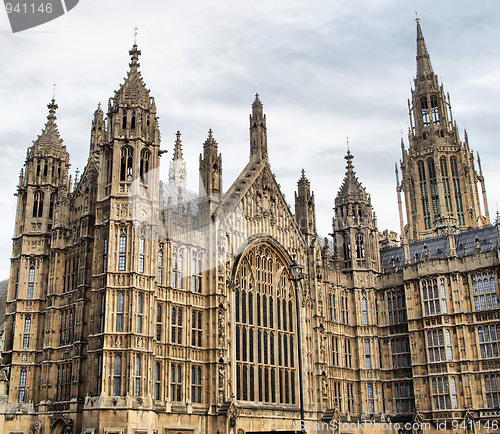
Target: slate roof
<point x="465" y="243"/>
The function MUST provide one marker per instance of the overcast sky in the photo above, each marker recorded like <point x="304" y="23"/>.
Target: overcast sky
<point x="324" y="70"/>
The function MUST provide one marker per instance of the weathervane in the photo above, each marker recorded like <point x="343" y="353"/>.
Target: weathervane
<point x="135" y="35"/>
<point x="347" y="144"/>
<point x="417" y="19"/>
<point x="54" y="92"/>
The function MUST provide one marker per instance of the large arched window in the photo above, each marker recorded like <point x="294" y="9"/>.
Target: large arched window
<point x="37" y="204"/>
<point x="144" y="166"/>
<point x="446" y="185"/>
<point x="457" y="191"/>
<point x="360" y="246"/>
<point x="436" y="209"/>
<point x="265" y="323"/>
<point x="425" y="110"/>
<point x="425" y="195"/>
<point x="126" y="164"/>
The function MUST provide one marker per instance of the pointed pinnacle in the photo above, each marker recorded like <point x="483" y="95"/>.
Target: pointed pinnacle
<point x="178" y="147"/>
<point x="257" y="101"/>
<point x="424" y="66"/>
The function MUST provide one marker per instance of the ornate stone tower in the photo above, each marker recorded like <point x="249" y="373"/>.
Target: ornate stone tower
<point x="258" y="132"/>
<point x="177" y="172"/>
<point x="43" y="183"/>
<point x="355" y="224"/>
<point x="439" y="179"/>
<point x="304" y="206"/>
<point x="121" y="331"/>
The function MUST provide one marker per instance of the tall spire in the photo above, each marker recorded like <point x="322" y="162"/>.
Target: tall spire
<point x="178" y="147"/>
<point x="177" y="172"/>
<point x="424" y="67"/>
<point x="50" y="134"/>
<point x="351" y="187"/>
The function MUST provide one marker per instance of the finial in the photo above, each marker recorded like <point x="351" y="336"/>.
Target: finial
<point x="135" y="35"/>
<point x="54" y="93"/>
<point x="347" y="144"/>
<point x="349" y="158"/>
<point x="417" y="19"/>
<point x="256" y="101"/>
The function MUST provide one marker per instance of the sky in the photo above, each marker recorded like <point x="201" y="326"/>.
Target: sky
<point x="325" y="70"/>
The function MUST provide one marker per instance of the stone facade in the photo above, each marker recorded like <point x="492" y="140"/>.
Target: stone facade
<point x="136" y="306"/>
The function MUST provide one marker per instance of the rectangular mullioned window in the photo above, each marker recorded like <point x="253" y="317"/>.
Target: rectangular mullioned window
<point x="484" y="291"/>
<point x="404" y="397"/>
<point x="196" y="384"/>
<point x="175" y="382"/>
<point x="120" y="307"/>
<point x="196" y="281"/>
<point x="489" y="340"/>
<point x="434" y="298"/>
<point x="492" y="389"/>
<point x="140" y="312"/>
<point x="176" y="330"/>
<point x="141" y="254"/>
<point x="122" y="250"/>
<point x="31" y="281"/>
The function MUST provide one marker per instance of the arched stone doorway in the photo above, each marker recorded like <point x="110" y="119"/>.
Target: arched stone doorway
<point x="61" y="427"/>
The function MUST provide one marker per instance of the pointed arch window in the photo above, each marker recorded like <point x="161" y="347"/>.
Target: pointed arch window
<point x="435" y="110"/>
<point x="144" y="166"/>
<point x="457" y="191"/>
<point x="424" y="194"/>
<point x="364" y="309"/>
<point x="122" y="250"/>
<point x="126" y="164"/>
<point x="360" y="246"/>
<point x="175" y="382"/>
<point x="177" y="265"/>
<point x="109" y="166"/>
<point x="31" y="281"/>
<point x="51" y="205"/>
<point x="159" y="321"/>
<point x="140" y="312"/>
<point x="141" y="254"/>
<point x="196" y="384"/>
<point x="120" y="307"/>
<point x="441" y="393"/>
<point x="124" y="122"/>
<point x="160" y="267"/>
<point x="38" y="204"/>
<point x="446" y="185"/>
<point x="22" y="385"/>
<point x="492" y="388"/>
<point x="436" y="209"/>
<point x="138" y="375"/>
<point x="347" y="248"/>
<point x="265" y="345"/>
<point x="117" y="375"/>
<point x="425" y="111"/>
<point x="484" y="290"/>
<point x="158" y="381"/>
<point x="132" y="122"/>
<point x="27" y="331"/>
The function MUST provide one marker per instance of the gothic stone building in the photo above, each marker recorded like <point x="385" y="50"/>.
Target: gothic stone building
<point x="136" y="306"/>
